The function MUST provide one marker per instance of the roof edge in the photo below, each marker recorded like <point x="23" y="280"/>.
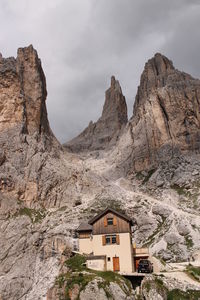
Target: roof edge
<point x="98" y="216"/>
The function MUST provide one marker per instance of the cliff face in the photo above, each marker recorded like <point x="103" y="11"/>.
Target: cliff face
<point x="106" y="131"/>
<point x="166" y="114"/>
<point x="27" y="143"/>
<point x="23" y="93"/>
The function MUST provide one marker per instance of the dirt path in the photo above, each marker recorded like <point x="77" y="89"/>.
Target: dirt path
<point x="152" y="200"/>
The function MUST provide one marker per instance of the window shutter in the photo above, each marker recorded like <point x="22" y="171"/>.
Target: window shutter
<point x="117" y="239"/>
<point x="103" y="240"/>
<point x="115" y="221"/>
<point x="105" y="222"/>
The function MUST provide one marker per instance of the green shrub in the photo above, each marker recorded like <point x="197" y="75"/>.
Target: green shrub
<point x="177" y="294"/>
<point x="189" y="241"/>
<point x="76" y="262"/>
<point x="194" y="272"/>
<point x="35" y="215"/>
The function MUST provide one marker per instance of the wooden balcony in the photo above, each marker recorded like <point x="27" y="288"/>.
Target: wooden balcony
<point x="141" y="251"/>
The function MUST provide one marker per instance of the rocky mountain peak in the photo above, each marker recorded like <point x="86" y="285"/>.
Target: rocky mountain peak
<point x="115" y="104"/>
<point x="33" y="89"/>
<point x="155" y="75"/>
<point x="115" y="84"/>
<point x="106" y="130"/>
<point x="166" y="114"/>
<point x="159" y="65"/>
<point x="23" y="93"/>
<point x="26" y="138"/>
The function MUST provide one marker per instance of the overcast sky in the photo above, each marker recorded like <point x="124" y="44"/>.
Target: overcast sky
<point x="83" y="42"/>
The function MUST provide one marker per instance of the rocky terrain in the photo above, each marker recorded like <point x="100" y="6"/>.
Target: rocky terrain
<point x="148" y="167"/>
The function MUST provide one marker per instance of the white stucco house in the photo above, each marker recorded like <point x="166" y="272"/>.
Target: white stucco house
<point x="106" y="240"/>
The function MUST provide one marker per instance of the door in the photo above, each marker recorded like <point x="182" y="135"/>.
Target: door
<point x="136" y="263"/>
<point x="116" y="264"/>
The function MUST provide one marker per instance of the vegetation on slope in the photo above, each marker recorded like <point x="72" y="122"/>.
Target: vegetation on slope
<point x="194" y="272"/>
<point x="177" y="294"/>
<point x="155" y="285"/>
<point x="33" y="214"/>
<point x="79" y="275"/>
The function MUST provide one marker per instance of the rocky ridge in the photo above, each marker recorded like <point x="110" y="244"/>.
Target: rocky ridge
<point x="166" y="117"/>
<point x="47" y="191"/>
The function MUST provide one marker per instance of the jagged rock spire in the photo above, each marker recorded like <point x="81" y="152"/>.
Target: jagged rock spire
<point x="106" y="130"/>
<point x="115" y="104"/>
<point x="25" y="90"/>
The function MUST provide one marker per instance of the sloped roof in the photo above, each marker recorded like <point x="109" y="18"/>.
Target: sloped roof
<point x="84" y="227"/>
<point x="123" y="216"/>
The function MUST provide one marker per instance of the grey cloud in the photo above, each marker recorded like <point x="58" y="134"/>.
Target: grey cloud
<point x="184" y="43"/>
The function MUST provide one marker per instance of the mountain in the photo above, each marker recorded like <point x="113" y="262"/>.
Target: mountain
<point x="147" y="167"/>
<point x="106" y="131"/>
<point x="166" y="114"/>
<point x="27" y="142"/>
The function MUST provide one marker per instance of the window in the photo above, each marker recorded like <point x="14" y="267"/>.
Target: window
<point x="107" y="240"/>
<point x="110" y="221"/>
<point x="108" y="258"/>
<point x="111" y="239"/>
<point x="114" y="240"/>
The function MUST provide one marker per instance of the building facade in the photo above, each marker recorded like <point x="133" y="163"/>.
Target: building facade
<point x="107" y="241"/>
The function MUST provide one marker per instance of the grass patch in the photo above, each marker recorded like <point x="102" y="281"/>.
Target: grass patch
<point x="35" y="215"/>
<point x="144" y="178"/>
<point x="189" y="241"/>
<point x="159" y="282"/>
<point x="147" y="286"/>
<point x="181" y="191"/>
<point x="109" y="276"/>
<point x="177" y="294"/>
<point x="76" y="263"/>
<point x="194" y="272"/>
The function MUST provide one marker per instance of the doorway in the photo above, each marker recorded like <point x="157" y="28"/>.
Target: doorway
<point x="116" y="264"/>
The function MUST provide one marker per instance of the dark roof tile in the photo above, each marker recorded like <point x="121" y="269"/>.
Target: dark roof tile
<point x="84" y="227"/>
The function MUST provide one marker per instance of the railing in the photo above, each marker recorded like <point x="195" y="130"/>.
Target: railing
<point x="141" y="251"/>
